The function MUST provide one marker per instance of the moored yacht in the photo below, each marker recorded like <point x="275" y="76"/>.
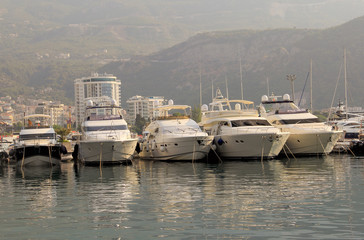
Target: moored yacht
<point x="239" y="132"/>
<point x="308" y="136"/>
<point x="37" y="144"/>
<point x="174" y="137"/>
<point x="106" y="138"/>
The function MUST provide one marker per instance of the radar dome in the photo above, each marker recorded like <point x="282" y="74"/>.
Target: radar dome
<point x="89" y="103"/>
<point x="113" y="102"/>
<point x="264" y="98"/>
<point x="286" y="97"/>
<point x="204" y="108"/>
<point x="170" y="102"/>
<point x="237" y="106"/>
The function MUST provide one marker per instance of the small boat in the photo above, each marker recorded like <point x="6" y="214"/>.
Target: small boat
<point x="356" y="146"/>
<point x="37" y="144"/>
<point x="174" y="137"/>
<point x="4" y="155"/>
<point x="308" y="136"/>
<point x="105" y="138"/>
<point x="240" y="133"/>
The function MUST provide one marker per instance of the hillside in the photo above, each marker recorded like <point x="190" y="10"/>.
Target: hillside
<point x="175" y="72"/>
<point x="46" y="44"/>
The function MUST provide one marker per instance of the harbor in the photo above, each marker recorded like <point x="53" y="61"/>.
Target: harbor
<point x="181" y="120"/>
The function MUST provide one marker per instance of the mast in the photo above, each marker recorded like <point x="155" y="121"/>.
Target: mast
<point x="241" y="78"/>
<point x="268" y="86"/>
<point x="311" y="84"/>
<point x="346" y="90"/>
<point x="200" y="85"/>
<point x="227" y="89"/>
<point x="212" y="90"/>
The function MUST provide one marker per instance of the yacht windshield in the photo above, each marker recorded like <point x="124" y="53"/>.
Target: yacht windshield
<point x="251" y="122"/>
<point x="106" y="128"/>
<point x="181" y="129"/>
<point x="300" y="121"/>
<point x="37" y="136"/>
<point x="282" y="107"/>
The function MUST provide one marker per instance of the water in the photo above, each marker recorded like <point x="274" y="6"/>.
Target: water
<point x="307" y="198"/>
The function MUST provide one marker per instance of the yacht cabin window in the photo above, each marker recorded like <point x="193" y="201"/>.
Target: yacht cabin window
<point x="106" y="128"/>
<point x="37" y="136"/>
<point x="250" y="122"/>
<point x="300" y="121"/>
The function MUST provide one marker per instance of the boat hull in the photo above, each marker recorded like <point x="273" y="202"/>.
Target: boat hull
<point x="301" y="144"/>
<point x="177" y="149"/>
<point x="250" y="146"/>
<point x="106" y="152"/>
<point x="38" y="156"/>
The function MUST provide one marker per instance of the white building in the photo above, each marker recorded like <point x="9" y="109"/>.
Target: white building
<point x="143" y="106"/>
<point x="95" y="86"/>
<point x="55" y="111"/>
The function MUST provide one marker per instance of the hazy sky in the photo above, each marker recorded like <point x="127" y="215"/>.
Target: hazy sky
<point x="211" y="13"/>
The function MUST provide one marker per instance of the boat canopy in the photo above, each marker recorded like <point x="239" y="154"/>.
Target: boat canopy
<point x="37" y="116"/>
<point x="172" y="107"/>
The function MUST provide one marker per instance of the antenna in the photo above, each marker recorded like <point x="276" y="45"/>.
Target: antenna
<point x="268" y="86"/>
<point x="241" y="78"/>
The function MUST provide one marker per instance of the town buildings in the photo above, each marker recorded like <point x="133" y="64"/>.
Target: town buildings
<point x="144" y="106"/>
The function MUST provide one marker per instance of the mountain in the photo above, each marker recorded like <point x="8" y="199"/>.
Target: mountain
<point x="46" y="44"/>
<point x="215" y="56"/>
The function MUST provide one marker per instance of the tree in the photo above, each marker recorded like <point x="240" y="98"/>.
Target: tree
<point x="196" y="113"/>
<point x="62" y="132"/>
<point x="139" y="124"/>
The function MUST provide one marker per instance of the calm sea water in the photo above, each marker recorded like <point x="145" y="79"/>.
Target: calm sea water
<point x="307" y="198"/>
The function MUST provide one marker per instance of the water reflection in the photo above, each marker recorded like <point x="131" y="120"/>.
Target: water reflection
<point x="302" y="198"/>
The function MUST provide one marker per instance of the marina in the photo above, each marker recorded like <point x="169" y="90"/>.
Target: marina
<point x="306" y="198"/>
<point x="181" y="120"/>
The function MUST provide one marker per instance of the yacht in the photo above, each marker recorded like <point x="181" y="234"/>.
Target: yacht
<point x="37" y="144"/>
<point x="350" y="123"/>
<point x="308" y="136"/>
<point x="174" y="137"/>
<point x="239" y="132"/>
<point x="105" y="138"/>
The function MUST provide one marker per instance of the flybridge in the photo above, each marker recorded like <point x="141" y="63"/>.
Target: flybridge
<point x="274" y="99"/>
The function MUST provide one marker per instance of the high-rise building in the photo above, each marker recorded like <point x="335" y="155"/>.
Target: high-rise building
<point x="95" y="86"/>
<point x="144" y="106"/>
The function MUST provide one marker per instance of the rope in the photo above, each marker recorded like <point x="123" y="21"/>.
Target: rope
<point x="261" y="160"/>
<point x="321" y="144"/>
<point x="284" y="150"/>
<point x="101" y="157"/>
<point x="217" y="155"/>
<point x="351" y="151"/>
<point x="22" y="161"/>
<point x="290" y="151"/>
<point x="193" y="153"/>
<point x="50" y="155"/>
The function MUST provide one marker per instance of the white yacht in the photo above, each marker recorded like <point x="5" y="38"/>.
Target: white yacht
<point x="106" y="138"/>
<point x="37" y="144"/>
<point x="308" y="136"/>
<point x="174" y="137"/>
<point x="240" y="133"/>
